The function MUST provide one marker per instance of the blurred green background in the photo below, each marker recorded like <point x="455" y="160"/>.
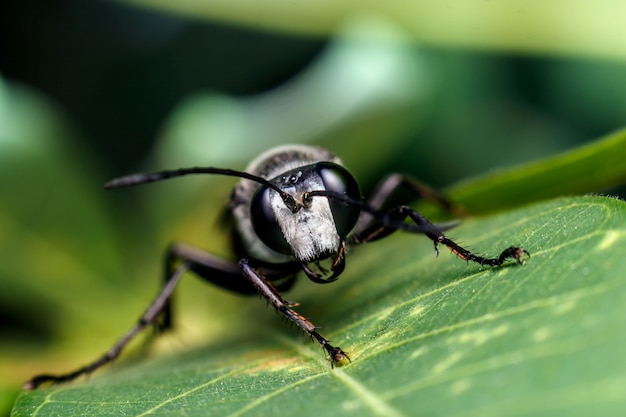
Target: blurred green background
<point x="90" y="90"/>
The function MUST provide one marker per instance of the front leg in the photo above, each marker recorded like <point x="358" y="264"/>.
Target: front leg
<point x="262" y="285"/>
<point x="218" y="271"/>
<point x="376" y="232"/>
<point x="368" y="230"/>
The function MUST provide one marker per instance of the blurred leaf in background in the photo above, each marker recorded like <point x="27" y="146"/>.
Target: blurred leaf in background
<point x="55" y="238"/>
<point x="369" y="71"/>
<point x="101" y="89"/>
<point x="561" y="27"/>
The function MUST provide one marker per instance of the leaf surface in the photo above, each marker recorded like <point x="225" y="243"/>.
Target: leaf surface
<point x="426" y="336"/>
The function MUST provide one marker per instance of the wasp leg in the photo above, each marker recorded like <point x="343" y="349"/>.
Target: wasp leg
<point x="386" y="189"/>
<point x="265" y="288"/>
<point x="393" y="182"/>
<point x="148" y="317"/>
<point x="221" y="272"/>
<point x="179" y="259"/>
<point x="209" y="267"/>
<point x="435" y="234"/>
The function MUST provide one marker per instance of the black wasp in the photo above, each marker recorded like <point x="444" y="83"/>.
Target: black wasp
<point x="294" y="207"/>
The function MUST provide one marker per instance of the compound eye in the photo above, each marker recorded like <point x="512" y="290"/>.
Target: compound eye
<point x="265" y="224"/>
<point x="337" y="179"/>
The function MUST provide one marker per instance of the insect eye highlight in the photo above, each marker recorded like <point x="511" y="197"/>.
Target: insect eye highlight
<point x="337" y="179"/>
<point x="265" y="223"/>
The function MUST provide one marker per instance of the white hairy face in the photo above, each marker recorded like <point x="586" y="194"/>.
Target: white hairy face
<point x="310" y="232"/>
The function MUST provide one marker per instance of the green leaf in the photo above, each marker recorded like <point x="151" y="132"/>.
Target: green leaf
<point x="426" y="336"/>
<point x="556" y="27"/>
<point x="596" y="166"/>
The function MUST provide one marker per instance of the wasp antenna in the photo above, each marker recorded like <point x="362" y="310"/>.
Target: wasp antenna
<point x="137" y="179"/>
<point x="133" y="179"/>
<point x="144" y="178"/>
